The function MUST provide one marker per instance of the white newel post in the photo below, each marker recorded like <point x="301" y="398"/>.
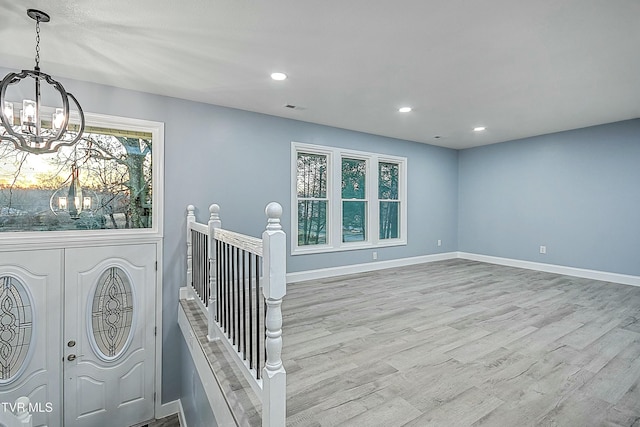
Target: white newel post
<point x="274" y="400"/>
<point x="214" y="222"/>
<point x="188" y="288"/>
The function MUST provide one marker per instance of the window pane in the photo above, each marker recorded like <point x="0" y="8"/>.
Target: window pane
<point x="312" y="175"/>
<point x="389" y="220"/>
<point x="104" y="181"/>
<point x="312" y="222"/>
<point x="354" y="221"/>
<point x="388" y="174"/>
<point x="354" y="174"/>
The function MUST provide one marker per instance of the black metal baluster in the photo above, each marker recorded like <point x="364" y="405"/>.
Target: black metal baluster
<point x="230" y="291"/>
<point x="196" y="241"/>
<point x="200" y="265"/>
<point x="194" y="260"/>
<point x="244" y="307"/>
<point x="207" y="289"/>
<point x="233" y="297"/>
<point x="227" y="249"/>
<point x="237" y="301"/>
<point x="221" y="285"/>
<point x="218" y="278"/>
<point x="250" y="315"/>
<point x="258" y="337"/>
<point x="223" y="263"/>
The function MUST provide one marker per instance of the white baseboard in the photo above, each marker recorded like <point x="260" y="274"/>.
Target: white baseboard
<point x="181" y="417"/>
<point x="322" y="273"/>
<point x="165" y="409"/>
<point x="553" y="268"/>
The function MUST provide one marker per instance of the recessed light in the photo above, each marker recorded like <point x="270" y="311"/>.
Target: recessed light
<point x="479" y="128"/>
<point x="278" y="76"/>
<point x="404" y="109"/>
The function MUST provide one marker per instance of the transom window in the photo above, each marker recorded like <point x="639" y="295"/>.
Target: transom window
<point x="107" y="180"/>
<point x="344" y="199"/>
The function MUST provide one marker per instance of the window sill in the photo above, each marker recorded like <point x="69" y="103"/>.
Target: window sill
<point x="347" y="247"/>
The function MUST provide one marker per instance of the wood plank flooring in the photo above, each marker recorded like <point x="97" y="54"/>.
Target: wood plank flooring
<point x="462" y="343"/>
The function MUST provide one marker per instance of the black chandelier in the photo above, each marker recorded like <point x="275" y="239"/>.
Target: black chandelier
<point x="31" y="131"/>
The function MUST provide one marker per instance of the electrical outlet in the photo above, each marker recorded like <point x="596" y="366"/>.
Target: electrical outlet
<point x="439" y="242"/>
<point x="543" y="249"/>
<point x="375" y="255"/>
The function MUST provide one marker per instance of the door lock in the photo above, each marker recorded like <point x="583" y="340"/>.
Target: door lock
<point x="71" y="343"/>
<point x="71" y="357"/>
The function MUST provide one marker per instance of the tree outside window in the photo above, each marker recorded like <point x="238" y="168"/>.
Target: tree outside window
<point x="388" y="195"/>
<point x="311" y="185"/>
<point x="103" y="182"/>
<point x="354" y="204"/>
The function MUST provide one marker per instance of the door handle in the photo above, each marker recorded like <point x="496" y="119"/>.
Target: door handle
<point x="71" y="357"/>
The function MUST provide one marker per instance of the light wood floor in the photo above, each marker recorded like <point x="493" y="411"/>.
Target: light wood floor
<point x="461" y="343"/>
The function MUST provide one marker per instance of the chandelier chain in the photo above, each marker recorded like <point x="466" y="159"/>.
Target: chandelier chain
<point x="37" y="44"/>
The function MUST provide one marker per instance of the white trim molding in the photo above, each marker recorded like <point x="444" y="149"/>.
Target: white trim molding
<point x="323" y="273"/>
<point x="604" y="276"/>
<point x="169" y="408"/>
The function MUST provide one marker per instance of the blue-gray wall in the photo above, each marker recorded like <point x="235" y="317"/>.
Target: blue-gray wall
<point x="241" y="160"/>
<point x="576" y="192"/>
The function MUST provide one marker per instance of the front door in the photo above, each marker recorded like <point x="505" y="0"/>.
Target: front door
<point x="109" y="328"/>
<point x="30" y="320"/>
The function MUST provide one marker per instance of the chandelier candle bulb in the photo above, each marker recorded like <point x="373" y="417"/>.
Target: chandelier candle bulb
<point x="57" y="119"/>
<point x="8" y="111"/>
<point x="29" y="113"/>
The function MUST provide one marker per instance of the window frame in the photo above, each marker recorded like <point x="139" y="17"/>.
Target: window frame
<point x="334" y="195"/>
<point x="295" y="199"/>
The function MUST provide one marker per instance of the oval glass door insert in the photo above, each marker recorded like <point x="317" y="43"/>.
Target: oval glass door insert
<point x="111" y="314"/>
<point x="16" y="328"/>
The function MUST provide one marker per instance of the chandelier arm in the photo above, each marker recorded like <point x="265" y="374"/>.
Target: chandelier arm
<point x="5" y="83"/>
<point x="81" y="114"/>
<point x="65" y="102"/>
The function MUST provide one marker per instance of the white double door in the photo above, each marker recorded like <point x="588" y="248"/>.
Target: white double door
<point x="77" y="334"/>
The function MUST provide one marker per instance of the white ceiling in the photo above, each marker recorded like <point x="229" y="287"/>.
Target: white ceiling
<point x="520" y="68"/>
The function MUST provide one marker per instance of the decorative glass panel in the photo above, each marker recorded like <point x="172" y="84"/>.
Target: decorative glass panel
<point x="16" y="328"/>
<point x="354" y="221"/>
<point x="389" y="220"/>
<point x="354" y="175"/>
<point x="103" y="182"/>
<point x="112" y="313"/>
<point x="312" y="222"/>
